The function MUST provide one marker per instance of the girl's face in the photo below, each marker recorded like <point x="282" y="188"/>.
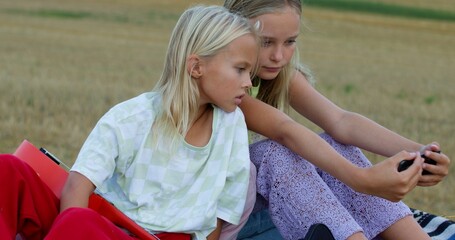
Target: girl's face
<point x="279" y="33"/>
<point x="225" y="76"/>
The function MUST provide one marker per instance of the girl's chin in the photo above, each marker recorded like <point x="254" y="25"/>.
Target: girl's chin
<point x="268" y="75"/>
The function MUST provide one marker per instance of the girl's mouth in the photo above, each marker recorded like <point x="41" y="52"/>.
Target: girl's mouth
<point x="272" y="69"/>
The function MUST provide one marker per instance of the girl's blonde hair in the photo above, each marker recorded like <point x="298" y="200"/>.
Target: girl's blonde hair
<point x="203" y="31"/>
<point x="276" y="92"/>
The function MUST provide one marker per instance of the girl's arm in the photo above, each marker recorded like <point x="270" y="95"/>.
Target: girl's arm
<point x="355" y="129"/>
<point x="381" y="180"/>
<point x="215" y="235"/>
<point x="76" y="191"/>
<point x="344" y="126"/>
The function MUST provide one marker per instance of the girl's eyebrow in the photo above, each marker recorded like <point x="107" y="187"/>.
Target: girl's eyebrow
<point x="268" y="37"/>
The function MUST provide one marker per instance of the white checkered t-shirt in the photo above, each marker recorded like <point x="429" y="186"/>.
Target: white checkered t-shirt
<point x="183" y="190"/>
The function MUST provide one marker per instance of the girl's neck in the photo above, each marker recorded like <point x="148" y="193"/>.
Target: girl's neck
<point x="201" y="128"/>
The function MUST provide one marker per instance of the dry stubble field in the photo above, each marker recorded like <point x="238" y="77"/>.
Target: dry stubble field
<point x="64" y="63"/>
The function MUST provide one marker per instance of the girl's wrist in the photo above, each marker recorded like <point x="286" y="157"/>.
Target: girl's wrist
<point x="356" y="178"/>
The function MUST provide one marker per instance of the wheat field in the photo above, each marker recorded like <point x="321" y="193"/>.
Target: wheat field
<point x="65" y="63"/>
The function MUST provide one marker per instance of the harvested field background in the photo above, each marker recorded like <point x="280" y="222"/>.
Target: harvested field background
<point x="65" y="63"/>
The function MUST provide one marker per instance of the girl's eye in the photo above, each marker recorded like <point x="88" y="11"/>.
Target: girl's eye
<point x="290" y="42"/>
<point x="241" y="70"/>
<point x="266" y="42"/>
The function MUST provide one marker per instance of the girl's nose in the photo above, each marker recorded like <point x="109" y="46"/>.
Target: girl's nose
<point x="247" y="83"/>
<point x="277" y="54"/>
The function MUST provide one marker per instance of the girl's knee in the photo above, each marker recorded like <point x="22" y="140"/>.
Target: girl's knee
<point x="12" y="167"/>
<point x="9" y="161"/>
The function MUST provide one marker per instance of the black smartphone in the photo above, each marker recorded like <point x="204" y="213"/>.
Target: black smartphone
<point x="404" y="164"/>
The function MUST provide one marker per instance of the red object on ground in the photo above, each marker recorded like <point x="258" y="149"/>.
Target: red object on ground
<point x="50" y="172"/>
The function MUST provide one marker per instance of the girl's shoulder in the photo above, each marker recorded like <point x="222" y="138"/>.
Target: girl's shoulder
<point x="234" y="116"/>
<point x="303" y="72"/>
<point x="144" y="100"/>
<point x="145" y="104"/>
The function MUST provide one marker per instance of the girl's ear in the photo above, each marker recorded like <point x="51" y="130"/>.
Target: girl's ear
<point x="194" y="66"/>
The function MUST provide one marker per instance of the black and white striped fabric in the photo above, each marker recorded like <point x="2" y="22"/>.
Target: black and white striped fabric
<point x="439" y="228"/>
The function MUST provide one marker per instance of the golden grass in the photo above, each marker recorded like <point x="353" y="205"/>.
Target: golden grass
<point x="62" y="68"/>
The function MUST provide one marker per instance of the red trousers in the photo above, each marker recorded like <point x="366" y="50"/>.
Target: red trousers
<point x="85" y="223"/>
<point x="27" y="205"/>
<point x="29" y="208"/>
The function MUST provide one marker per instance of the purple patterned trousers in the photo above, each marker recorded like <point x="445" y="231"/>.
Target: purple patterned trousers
<point x="299" y="194"/>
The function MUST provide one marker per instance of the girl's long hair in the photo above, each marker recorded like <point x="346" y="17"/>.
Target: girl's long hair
<point x="203" y="31"/>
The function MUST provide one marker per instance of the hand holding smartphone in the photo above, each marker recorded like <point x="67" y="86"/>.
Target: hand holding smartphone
<point x="404" y="164"/>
